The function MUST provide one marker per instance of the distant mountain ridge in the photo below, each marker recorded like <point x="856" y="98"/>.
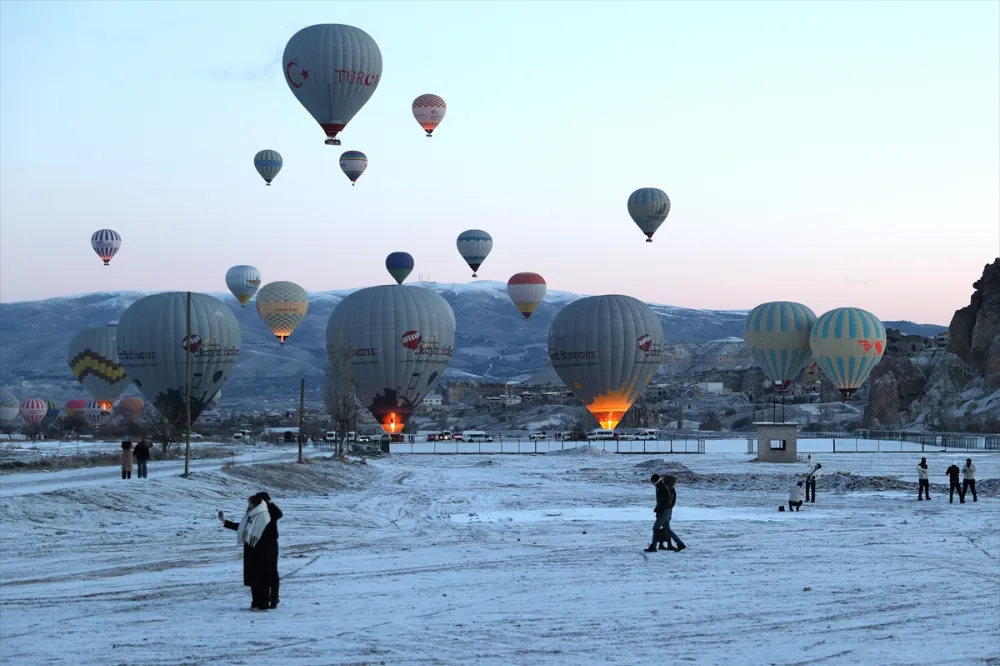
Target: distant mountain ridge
<point x="493" y="342"/>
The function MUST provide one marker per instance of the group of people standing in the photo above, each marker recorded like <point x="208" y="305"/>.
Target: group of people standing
<point x="257" y="532"/>
<point x="968" y="481"/>
<point x="140" y="456"/>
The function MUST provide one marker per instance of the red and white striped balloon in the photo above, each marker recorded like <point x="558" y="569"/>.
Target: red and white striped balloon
<point x="33" y="410"/>
<point x="526" y="290"/>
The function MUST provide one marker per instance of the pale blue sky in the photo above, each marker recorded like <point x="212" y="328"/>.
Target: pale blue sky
<point x="840" y="153"/>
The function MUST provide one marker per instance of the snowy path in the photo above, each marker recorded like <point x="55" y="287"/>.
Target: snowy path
<point x="534" y="560"/>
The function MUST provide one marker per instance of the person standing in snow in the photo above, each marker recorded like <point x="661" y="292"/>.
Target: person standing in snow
<point x="256" y="533"/>
<point x="953" y="485"/>
<point x="811" y="481"/>
<point x="795" y="497"/>
<point x="969" y="479"/>
<point x="142" y="457"/>
<point x="924" y="485"/>
<point x="126" y="460"/>
<point x="272" y="572"/>
<point x="666" y="498"/>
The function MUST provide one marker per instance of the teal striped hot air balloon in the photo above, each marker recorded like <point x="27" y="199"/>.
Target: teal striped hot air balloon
<point x="268" y="164"/>
<point x="848" y="343"/>
<point x="777" y="337"/>
<point x="353" y="163"/>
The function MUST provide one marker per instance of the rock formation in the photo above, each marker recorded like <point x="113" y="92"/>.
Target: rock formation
<point x="974" y="333"/>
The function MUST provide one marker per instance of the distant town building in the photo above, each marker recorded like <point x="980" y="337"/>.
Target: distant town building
<point x="710" y="388"/>
<point x="432" y="400"/>
<point x="504" y="400"/>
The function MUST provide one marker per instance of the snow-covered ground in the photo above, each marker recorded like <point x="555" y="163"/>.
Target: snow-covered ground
<point x="504" y="560"/>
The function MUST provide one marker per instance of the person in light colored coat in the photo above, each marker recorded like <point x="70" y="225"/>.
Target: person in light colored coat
<point x="795" y="497"/>
<point x="969" y="479"/>
<point x="126" y="460"/>
<point x="924" y="485"/>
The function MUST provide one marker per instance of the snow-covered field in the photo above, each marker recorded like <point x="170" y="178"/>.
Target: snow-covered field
<point x="504" y="560"/>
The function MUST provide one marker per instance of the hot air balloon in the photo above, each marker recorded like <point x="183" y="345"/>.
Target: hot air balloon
<point x="777" y="337"/>
<point x="474" y="245"/>
<point x="93" y="360"/>
<point x="243" y="282"/>
<point x="649" y="207"/>
<point x="97" y="414"/>
<point x="53" y="410"/>
<point x="400" y="340"/>
<point x="33" y="410"/>
<point x="353" y="163"/>
<point x="606" y="349"/>
<point x="10" y="408"/>
<point x="429" y="111"/>
<point x="153" y="344"/>
<point x="526" y="290"/>
<point x="215" y="400"/>
<point x="282" y="306"/>
<point x="399" y="265"/>
<point x="847" y="343"/>
<point x="131" y="408"/>
<point x="268" y="164"/>
<point x="74" y="407"/>
<point x="106" y="244"/>
<point x="332" y="69"/>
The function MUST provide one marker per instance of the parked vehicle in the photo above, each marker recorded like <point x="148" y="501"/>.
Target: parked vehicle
<point x="444" y="436"/>
<point x="432" y="437"/>
<point x="600" y="434"/>
<point x="242" y="436"/>
<point x="458" y="437"/>
<point x="330" y="436"/>
<point x="539" y="435"/>
<point x="477" y="436"/>
<point x="648" y="434"/>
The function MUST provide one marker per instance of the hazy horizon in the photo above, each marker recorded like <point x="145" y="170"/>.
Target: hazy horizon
<point x="827" y="153"/>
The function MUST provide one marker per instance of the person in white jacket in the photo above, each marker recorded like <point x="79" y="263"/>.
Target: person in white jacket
<point x="924" y="486"/>
<point x="969" y="479"/>
<point x="795" y="497"/>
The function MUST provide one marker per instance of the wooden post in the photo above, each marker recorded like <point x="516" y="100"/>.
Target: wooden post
<point x="187" y="391"/>
<point x="302" y="411"/>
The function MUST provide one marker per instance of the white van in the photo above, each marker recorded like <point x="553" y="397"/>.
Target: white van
<point x="647" y="434"/>
<point x="600" y="434"/>
<point x="477" y="436"/>
<point x="242" y="436"/>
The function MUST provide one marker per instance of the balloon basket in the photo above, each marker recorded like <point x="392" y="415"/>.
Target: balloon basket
<point x="649" y="240"/>
<point x="267" y="184"/>
<point x="332" y="142"/>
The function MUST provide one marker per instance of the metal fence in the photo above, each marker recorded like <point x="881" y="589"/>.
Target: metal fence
<point x="519" y="447"/>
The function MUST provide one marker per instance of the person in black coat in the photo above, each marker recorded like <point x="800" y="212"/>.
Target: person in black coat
<point x="275" y="514"/>
<point x="954" y="486"/>
<point x="258" y="535"/>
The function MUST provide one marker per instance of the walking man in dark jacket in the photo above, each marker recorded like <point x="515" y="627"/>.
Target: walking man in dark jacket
<point x="666" y="498"/>
<point x="142" y="457"/>
<point x="953" y="485"/>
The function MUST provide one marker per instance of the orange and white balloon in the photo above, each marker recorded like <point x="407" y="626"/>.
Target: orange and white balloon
<point x="429" y="111"/>
<point x="526" y="290"/>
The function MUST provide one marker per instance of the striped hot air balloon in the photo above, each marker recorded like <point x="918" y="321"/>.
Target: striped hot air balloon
<point x="268" y="164"/>
<point x="649" y="207"/>
<point x="526" y="290"/>
<point x="777" y="337"/>
<point x="429" y="111"/>
<point x="474" y="245"/>
<point x="399" y="265"/>
<point x="282" y="306"/>
<point x="848" y="343"/>
<point x="54" y="410"/>
<point x="106" y="243"/>
<point x="33" y="410"/>
<point x="97" y="413"/>
<point x="353" y="163"/>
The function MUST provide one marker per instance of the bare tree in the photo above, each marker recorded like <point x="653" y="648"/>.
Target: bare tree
<point x="161" y="429"/>
<point x="340" y="394"/>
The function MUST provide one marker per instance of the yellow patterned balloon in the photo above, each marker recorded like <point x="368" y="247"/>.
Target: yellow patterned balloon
<point x="282" y="306"/>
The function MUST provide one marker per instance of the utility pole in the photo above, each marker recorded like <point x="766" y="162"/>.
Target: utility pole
<point x="302" y="413"/>
<point x="187" y="390"/>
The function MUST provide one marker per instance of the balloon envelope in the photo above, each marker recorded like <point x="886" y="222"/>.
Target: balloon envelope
<point x="649" y="207"/>
<point x="429" y="111"/>
<point x="777" y="337"/>
<point x="401" y="340"/>
<point x="474" y="245"/>
<point x="10" y="407"/>
<point x="526" y="291"/>
<point x="847" y="343"/>
<point x="399" y="265"/>
<point x="33" y="410"/>
<point x="268" y="164"/>
<point x="243" y="282"/>
<point x="131" y="408"/>
<point x="75" y="406"/>
<point x="93" y="360"/>
<point x="333" y="70"/>
<point x="54" y="410"/>
<point x="97" y="414"/>
<point x="606" y="349"/>
<point x="106" y="244"/>
<point x="282" y="306"/>
<point x="153" y="344"/>
<point x="353" y="163"/>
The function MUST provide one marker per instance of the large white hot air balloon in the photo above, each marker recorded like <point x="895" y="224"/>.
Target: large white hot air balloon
<point x="153" y="344"/>
<point x="606" y="349"/>
<point x="332" y="69"/>
<point x="400" y="339"/>
<point x="93" y="360"/>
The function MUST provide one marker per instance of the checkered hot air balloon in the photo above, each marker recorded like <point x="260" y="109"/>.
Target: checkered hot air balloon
<point x="106" y="243"/>
<point x="93" y="360"/>
<point x="10" y="408"/>
<point x="33" y="410"/>
<point x="282" y="306"/>
<point x="429" y="111"/>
